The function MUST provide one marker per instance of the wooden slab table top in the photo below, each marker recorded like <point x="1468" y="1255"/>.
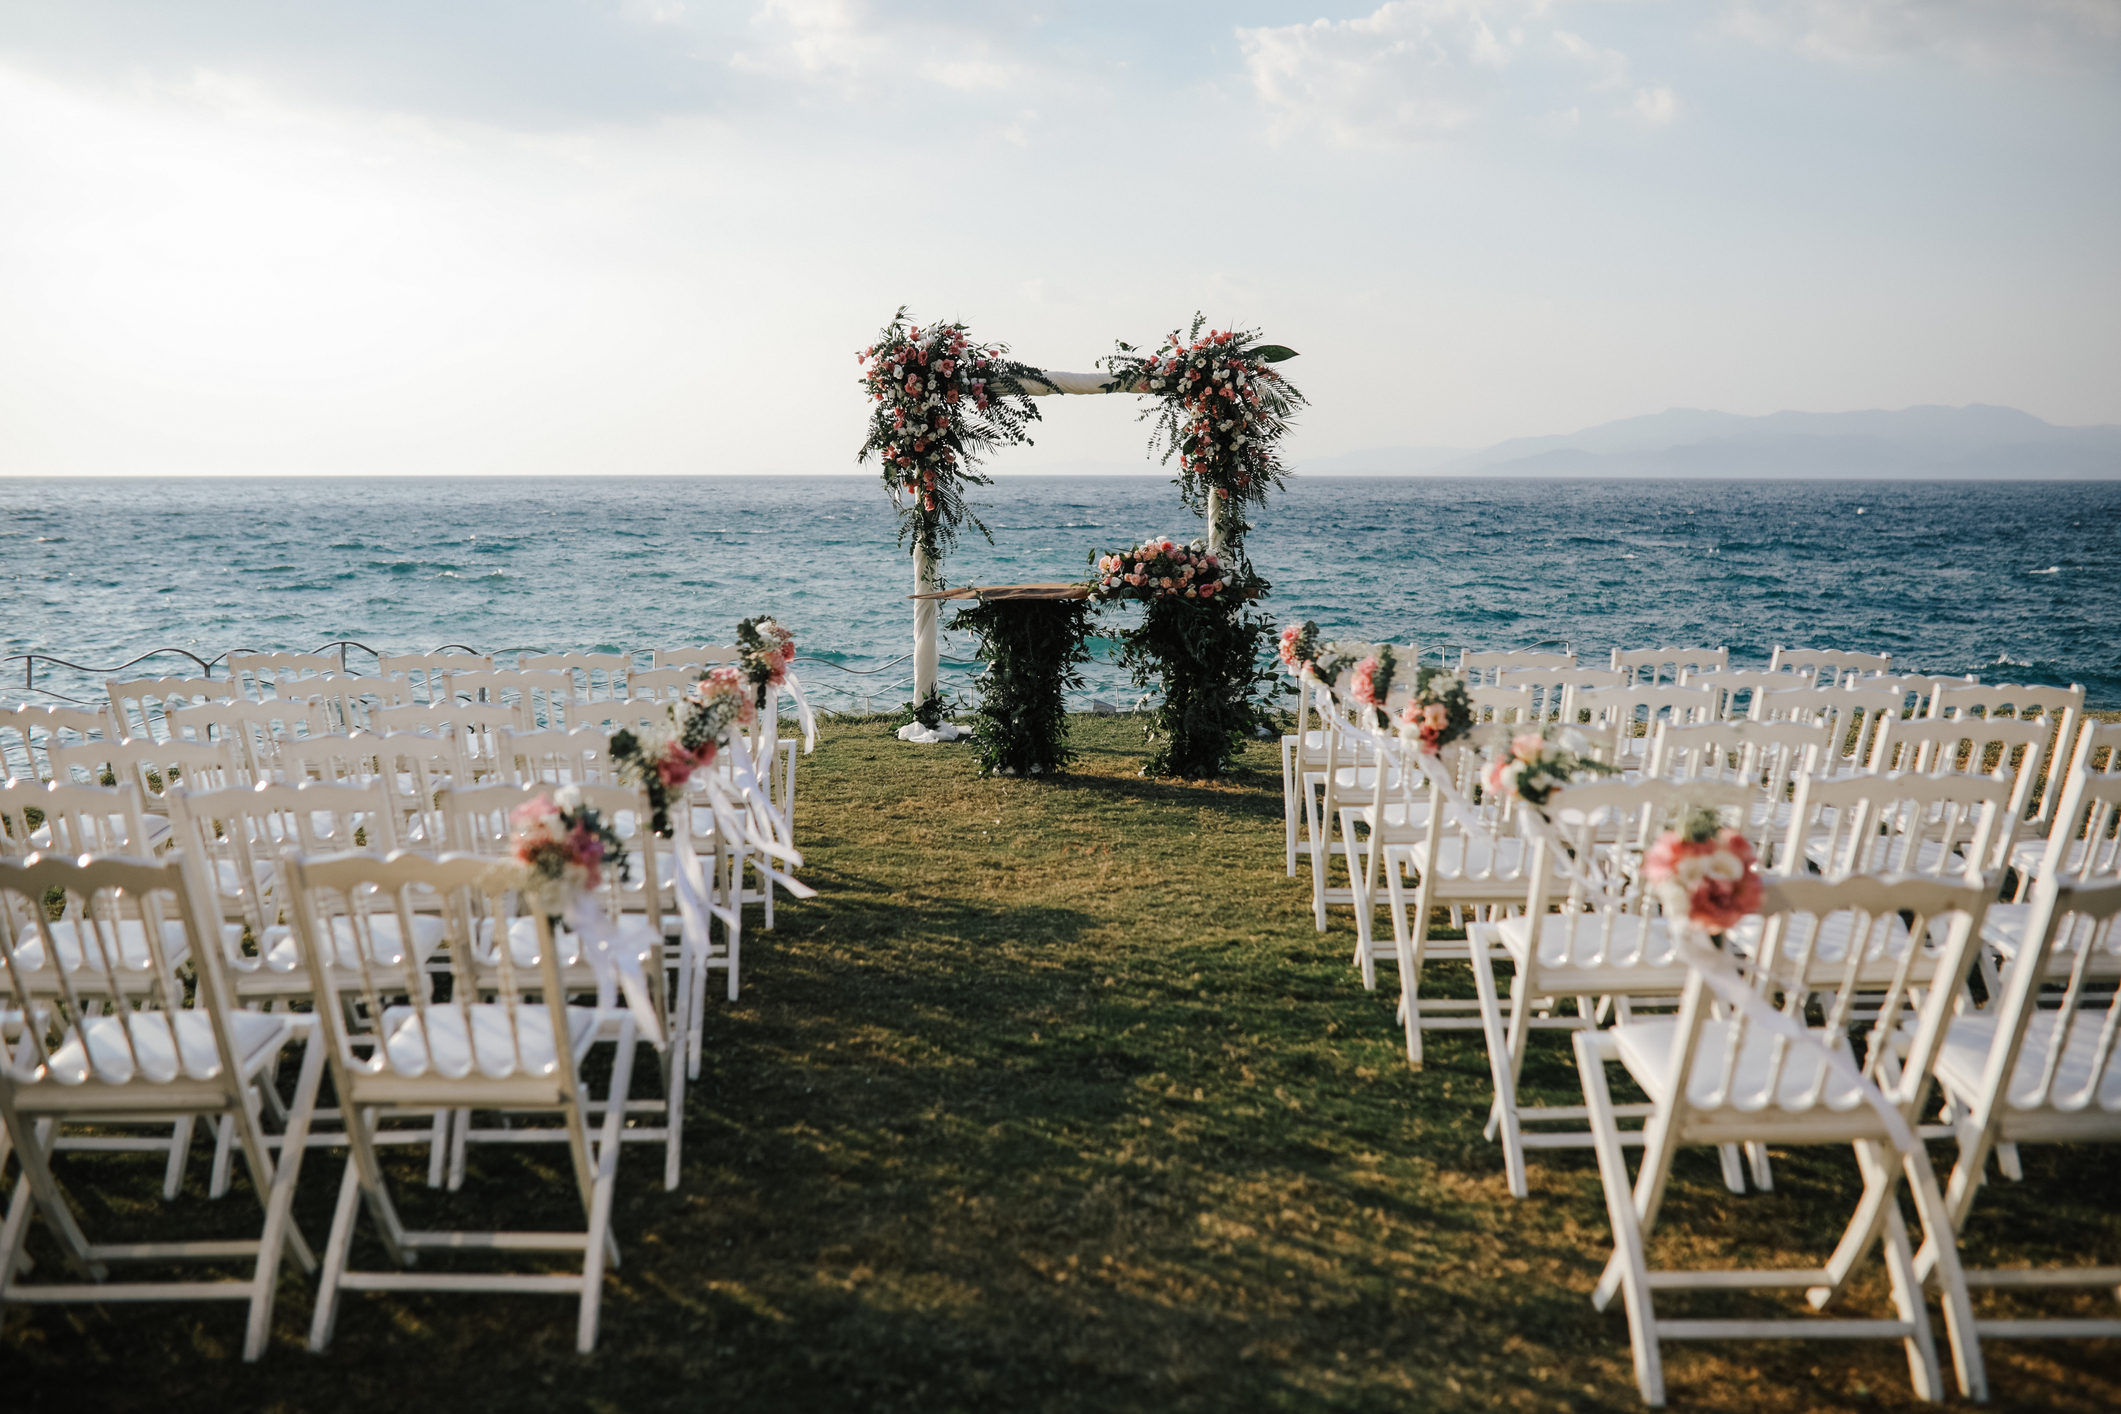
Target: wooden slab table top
<point x="1003" y="593"/>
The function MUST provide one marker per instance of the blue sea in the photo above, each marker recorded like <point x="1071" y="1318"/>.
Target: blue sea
<point x="2012" y="581"/>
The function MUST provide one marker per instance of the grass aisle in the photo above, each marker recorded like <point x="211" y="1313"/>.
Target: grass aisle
<point x="1054" y="1100"/>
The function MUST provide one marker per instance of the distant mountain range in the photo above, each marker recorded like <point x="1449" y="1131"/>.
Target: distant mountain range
<point x="1918" y="443"/>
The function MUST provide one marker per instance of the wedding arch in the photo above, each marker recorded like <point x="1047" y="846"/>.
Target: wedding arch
<point x="941" y="402"/>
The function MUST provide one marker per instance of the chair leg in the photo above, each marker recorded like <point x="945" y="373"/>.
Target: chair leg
<point x="459" y="1141"/>
<point x="599" y="1245"/>
<point x="1733" y="1168"/>
<point x="1504" y="1117"/>
<point x="674" y="1116"/>
<point x="279" y="1223"/>
<point x="1920" y="1344"/>
<point x="1959" y="1329"/>
<point x="1865" y="1226"/>
<point x="35" y="1158"/>
<point x="179" y="1156"/>
<point x="438" y="1148"/>
<point x="1320" y="852"/>
<point x="1763" y="1171"/>
<point x="1628" y="1255"/>
<point x="224" y="1153"/>
<point x="1409" y="954"/>
<point x="2007" y="1162"/>
<point x="1365" y="908"/>
<point x="342" y="1221"/>
<point x="1288" y="803"/>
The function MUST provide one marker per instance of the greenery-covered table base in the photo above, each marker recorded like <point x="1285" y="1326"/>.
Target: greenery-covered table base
<point x="1201" y="644"/>
<point x="1031" y="639"/>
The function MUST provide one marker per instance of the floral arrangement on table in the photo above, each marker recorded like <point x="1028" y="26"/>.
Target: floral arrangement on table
<point x="1440" y="711"/>
<point x="941" y="400"/>
<point x="1160" y="568"/>
<point x="561" y="850"/>
<point x="1219" y="407"/>
<point x="684" y="738"/>
<point x="1198" y="645"/>
<point x="1704" y="872"/>
<point x="765" y="648"/>
<point x="1538" y="763"/>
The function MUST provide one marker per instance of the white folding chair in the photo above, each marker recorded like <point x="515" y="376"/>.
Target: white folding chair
<point x="2038" y="1066"/>
<point x="1940" y="825"/>
<point x="1655" y="665"/>
<point x="543" y="699"/>
<point x="640" y="919"/>
<point x="424" y="674"/>
<point x="1769" y="757"/>
<point x="707" y="656"/>
<point x="238" y="839"/>
<point x="1757" y="1073"/>
<point x="1474" y="868"/>
<point x="258" y="676"/>
<point x="1633" y="714"/>
<point x="157" y="767"/>
<point x="2061" y="708"/>
<point x="2000" y="747"/>
<point x="142" y="704"/>
<point x="28" y="731"/>
<point x="69" y="819"/>
<point x="1552" y="688"/>
<point x="507" y="1040"/>
<point x="1479" y="669"/>
<point x="1737" y="688"/>
<point x="253" y="731"/>
<point x="1302" y="752"/>
<point x="1828" y="667"/>
<point x="1608" y="943"/>
<point x="66" y="820"/>
<point x="555" y="758"/>
<point x="599" y="678"/>
<point x="130" y="1049"/>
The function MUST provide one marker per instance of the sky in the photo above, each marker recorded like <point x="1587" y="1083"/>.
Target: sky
<point x="364" y="237"/>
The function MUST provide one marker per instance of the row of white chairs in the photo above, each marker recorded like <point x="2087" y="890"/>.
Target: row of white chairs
<point x="1859" y="723"/>
<point x="423" y="971"/>
<point x="103" y="1031"/>
<point x="1853" y="851"/>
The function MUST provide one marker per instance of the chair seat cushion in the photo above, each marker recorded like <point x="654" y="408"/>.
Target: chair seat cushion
<point x="228" y="876"/>
<point x="634" y="932"/>
<point x="134" y="955"/>
<point x="1963" y="1058"/>
<point x="1646" y="1050"/>
<point x="1637" y="948"/>
<point x="386" y="942"/>
<point x="501" y="1040"/>
<point x="1457" y="855"/>
<point x="152" y="1056"/>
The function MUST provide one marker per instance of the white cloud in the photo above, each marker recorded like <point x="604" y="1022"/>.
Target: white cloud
<point x="1608" y="67"/>
<point x="1417" y="70"/>
<point x="1979" y="33"/>
<point x="849" y="45"/>
<point x="1656" y="105"/>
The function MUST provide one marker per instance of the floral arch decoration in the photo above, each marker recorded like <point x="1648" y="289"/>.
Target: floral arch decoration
<point x="942" y="401"/>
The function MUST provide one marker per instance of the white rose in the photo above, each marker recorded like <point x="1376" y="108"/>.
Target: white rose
<point x="1723" y="866"/>
<point x="568" y="799"/>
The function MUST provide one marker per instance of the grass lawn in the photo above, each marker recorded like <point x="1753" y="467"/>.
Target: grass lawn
<point x="1054" y="1100"/>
